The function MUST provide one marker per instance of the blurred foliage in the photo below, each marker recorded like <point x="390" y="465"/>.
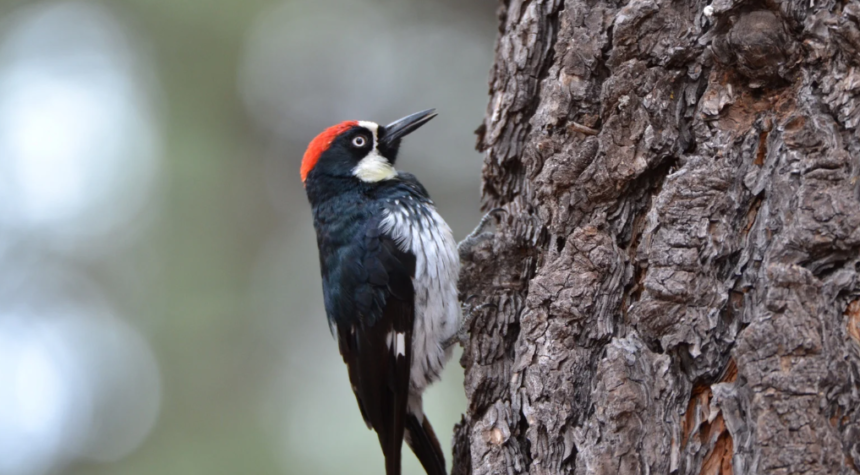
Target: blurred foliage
<point x="224" y="281"/>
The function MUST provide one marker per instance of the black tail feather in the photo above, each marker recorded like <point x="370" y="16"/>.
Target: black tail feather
<point x="392" y="463"/>
<point x="422" y="440"/>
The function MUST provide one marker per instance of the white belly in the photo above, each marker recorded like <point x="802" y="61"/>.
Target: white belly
<point x="437" y="309"/>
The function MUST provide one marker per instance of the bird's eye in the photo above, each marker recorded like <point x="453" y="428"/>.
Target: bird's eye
<point x="359" y="141"/>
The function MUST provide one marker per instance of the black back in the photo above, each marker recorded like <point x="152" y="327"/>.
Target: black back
<point x="368" y="293"/>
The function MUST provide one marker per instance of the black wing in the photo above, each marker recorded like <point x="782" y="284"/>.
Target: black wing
<point x="376" y="344"/>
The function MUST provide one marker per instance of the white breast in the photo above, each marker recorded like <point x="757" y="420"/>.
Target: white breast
<point x="437" y="267"/>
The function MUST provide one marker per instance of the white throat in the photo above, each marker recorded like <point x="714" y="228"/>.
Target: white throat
<point x="373" y="167"/>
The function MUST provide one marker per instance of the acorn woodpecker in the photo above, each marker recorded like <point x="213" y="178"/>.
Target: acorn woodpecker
<point x="389" y="268"/>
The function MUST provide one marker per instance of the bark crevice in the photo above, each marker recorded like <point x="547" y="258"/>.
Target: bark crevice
<point x="673" y="287"/>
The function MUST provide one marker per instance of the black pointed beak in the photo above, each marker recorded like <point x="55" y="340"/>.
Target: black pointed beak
<point x="398" y="129"/>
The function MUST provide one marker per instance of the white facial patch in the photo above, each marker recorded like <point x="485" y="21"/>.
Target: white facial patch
<point x="373" y="167"/>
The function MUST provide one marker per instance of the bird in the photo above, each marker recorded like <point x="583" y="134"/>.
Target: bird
<point x="389" y="267"/>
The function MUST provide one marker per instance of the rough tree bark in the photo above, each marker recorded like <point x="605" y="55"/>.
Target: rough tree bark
<point x="674" y="286"/>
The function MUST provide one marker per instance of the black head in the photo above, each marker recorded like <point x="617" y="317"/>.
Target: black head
<point x="359" y="149"/>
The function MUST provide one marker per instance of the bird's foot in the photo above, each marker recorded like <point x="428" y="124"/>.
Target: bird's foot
<point x="462" y="335"/>
<point x="481" y="229"/>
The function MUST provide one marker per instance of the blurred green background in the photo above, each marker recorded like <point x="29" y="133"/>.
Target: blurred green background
<point x="160" y="302"/>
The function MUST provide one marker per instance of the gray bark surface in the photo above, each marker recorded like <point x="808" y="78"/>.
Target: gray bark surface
<point x="673" y="287"/>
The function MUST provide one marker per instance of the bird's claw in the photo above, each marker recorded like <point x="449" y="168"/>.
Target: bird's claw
<point x="462" y="335"/>
<point x="479" y="229"/>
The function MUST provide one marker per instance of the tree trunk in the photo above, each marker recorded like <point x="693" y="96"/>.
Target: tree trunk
<point x="674" y="285"/>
